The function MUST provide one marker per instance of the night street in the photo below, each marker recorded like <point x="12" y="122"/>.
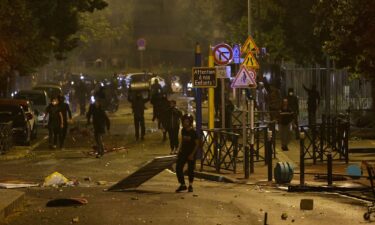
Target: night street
<point x="210" y="203"/>
<point x="187" y="112"/>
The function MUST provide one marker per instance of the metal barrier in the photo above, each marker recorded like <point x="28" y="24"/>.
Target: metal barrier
<point x="329" y="137"/>
<point x="6" y="137"/>
<point x="220" y="150"/>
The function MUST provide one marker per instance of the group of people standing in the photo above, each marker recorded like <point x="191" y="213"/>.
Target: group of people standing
<point x="59" y="113"/>
<point x="169" y="119"/>
<point x="286" y="110"/>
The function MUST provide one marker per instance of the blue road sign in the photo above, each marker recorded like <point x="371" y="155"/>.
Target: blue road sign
<point x="236" y="54"/>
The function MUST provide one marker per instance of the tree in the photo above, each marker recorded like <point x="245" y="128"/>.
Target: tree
<point x="348" y="30"/>
<point x="285" y="28"/>
<point x="32" y="30"/>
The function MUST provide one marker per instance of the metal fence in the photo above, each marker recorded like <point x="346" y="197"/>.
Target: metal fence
<point x="337" y="90"/>
<point x="6" y="137"/>
<point x="220" y="150"/>
<point x="329" y="137"/>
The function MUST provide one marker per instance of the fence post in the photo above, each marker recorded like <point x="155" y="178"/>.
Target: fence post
<point x="252" y="159"/>
<point x="329" y="167"/>
<point x="247" y="164"/>
<point x="269" y="154"/>
<point x="302" y="158"/>
<point x="346" y="141"/>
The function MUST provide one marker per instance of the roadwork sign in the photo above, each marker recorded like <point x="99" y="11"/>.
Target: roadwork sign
<point x="245" y="78"/>
<point x="223" y="54"/>
<point x="204" y="77"/>
<point x="151" y="169"/>
<point x="250" y="46"/>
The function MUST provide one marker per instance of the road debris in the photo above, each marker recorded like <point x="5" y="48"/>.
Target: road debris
<point x="75" y="220"/>
<point x="12" y="185"/>
<point x="284" y="216"/>
<point x="307" y="204"/>
<point x="66" y="202"/>
<point x="55" y="179"/>
<point x="101" y="182"/>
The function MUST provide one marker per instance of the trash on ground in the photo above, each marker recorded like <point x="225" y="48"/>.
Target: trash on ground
<point x="284" y="216"/>
<point x="101" y="182"/>
<point x="12" y="185"/>
<point x="66" y="202"/>
<point x="75" y="220"/>
<point x="55" y="179"/>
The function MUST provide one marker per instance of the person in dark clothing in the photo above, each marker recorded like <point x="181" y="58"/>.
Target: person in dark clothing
<point x="172" y="125"/>
<point x="294" y="106"/>
<point x="81" y="92"/>
<point x="285" y="120"/>
<point x="100" y="122"/>
<point x="163" y="107"/>
<point x="313" y="100"/>
<point x="156" y="94"/>
<point x="229" y="108"/>
<point x="138" y="106"/>
<point x="66" y="113"/>
<point x="55" y="122"/>
<point x="189" y="146"/>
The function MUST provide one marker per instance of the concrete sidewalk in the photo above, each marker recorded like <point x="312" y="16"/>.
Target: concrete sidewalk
<point x="10" y="202"/>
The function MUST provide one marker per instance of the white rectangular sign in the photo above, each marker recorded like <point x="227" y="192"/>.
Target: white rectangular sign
<point x="223" y="71"/>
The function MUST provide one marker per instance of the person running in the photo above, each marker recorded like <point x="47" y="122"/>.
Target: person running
<point x="55" y="122"/>
<point x="100" y="121"/>
<point x="172" y="125"/>
<point x="66" y="113"/>
<point x="189" y="146"/>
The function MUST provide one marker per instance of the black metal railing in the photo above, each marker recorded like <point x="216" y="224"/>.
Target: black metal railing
<point x="219" y="150"/>
<point x="331" y="136"/>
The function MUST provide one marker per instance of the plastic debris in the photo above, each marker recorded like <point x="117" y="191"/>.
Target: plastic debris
<point x="55" y="179"/>
<point x="17" y="185"/>
<point x="75" y="220"/>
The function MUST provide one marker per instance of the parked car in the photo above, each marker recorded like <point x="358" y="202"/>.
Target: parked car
<point x="39" y="100"/>
<point x="20" y="122"/>
<point x="52" y="90"/>
<point x="28" y="109"/>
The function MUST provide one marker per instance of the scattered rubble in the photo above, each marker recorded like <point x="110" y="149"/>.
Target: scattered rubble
<point x="307" y="204"/>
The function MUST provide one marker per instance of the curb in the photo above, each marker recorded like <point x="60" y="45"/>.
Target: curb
<point x="10" y="203"/>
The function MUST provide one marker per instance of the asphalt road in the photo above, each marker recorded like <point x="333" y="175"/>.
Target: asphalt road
<point x="154" y="202"/>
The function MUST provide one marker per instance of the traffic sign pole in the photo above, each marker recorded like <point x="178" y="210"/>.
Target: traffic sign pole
<point x="198" y="93"/>
<point x="211" y="95"/>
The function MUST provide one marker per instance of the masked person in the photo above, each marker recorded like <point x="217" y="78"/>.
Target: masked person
<point x="189" y="146"/>
<point x="55" y="122"/>
<point x="66" y="113"/>
<point x="163" y="108"/>
<point x="100" y="121"/>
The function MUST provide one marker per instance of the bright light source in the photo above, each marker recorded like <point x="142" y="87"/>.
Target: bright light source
<point x="92" y="99"/>
<point x="82" y="77"/>
<point x="72" y="83"/>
